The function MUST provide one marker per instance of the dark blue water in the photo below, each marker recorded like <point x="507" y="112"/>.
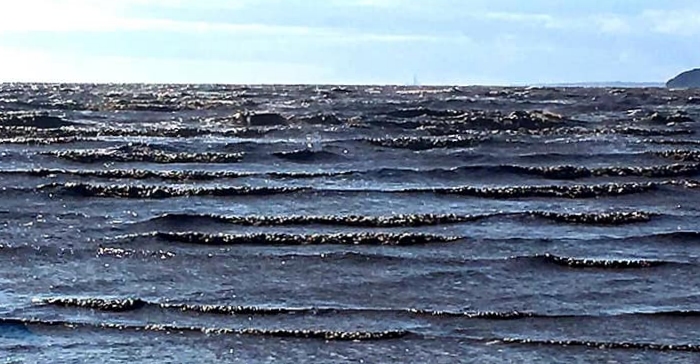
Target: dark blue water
<point x="293" y="224"/>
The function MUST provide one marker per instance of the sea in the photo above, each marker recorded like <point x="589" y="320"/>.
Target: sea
<point x="348" y="224"/>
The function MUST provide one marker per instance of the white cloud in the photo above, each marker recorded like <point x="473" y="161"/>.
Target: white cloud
<point x="101" y="16"/>
<point x="22" y="65"/>
<point x="673" y="22"/>
<point x="600" y="23"/>
<point x="189" y="4"/>
<point x="677" y="22"/>
<point x="371" y="3"/>
<point x="104" y="16"/>
<point x="611" y="24"/>
<point x="540" y="19"/>
<point x="49" y="15"/>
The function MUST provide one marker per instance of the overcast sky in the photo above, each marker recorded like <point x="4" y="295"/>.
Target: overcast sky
<point x="348" y="41"/>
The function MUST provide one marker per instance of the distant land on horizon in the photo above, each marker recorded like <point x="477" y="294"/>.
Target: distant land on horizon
<point x="686" y="79"/>
<point x="605" y="84"/>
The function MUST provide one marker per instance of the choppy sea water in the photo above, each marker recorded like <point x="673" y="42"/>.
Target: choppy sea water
<point x="294" y="224"/>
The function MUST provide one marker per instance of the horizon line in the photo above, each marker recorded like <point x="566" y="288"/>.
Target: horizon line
<point x="547" y="84"/>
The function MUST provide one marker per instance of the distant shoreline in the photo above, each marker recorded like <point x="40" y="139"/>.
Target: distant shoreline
<point x="606" y="84"/>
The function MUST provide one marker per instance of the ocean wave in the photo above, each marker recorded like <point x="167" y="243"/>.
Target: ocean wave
<point x="129" y="131"/>
<point x="560" y="172"/>
<point x="479" y="119"/>
<point x="426" y="143"/>
<point x="569" y="191"/>
<point x="552" y="131"/>
<point x="681" y="155"/>
<point x="599" y="344"/>
<point x="601" y="218"/>
<point x="553" y="191"/>
<point x="46" y="141"/>
<point x="134" y="304"/>
<point x="137" y="174"/>
<point x="350" y="220"/>
<point x="536" y="261"/>
<point x="409" y="220"/>
<point x="239" y="131"/>
<point x="121" y="253"/>
<point x="270" y="239"/>
<point x="600" y="263"/>
<point x="159" y="192"/>
<point x="422" y="111"/>
<point x="143" y="154"/>
<point x="50" y="252"/>
<point x="678" y="117"/>
<point x="301" y="334"/>
<point x="685" y="183"/>
<point x="32" y="119"/>
<point x="672" y="141"/>
<point x="573" y="172"/>
<point x="363" y="238"/>
<point x="635" y="131"/>
<point x="168" y="175"/>
<point x="111" y="305"/>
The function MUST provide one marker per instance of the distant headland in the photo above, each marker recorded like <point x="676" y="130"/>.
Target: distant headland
<point x="687" y="79"/>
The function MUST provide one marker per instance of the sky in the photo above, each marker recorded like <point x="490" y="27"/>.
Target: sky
<point x="454" y="42"/>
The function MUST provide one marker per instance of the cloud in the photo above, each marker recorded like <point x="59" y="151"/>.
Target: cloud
<point x="97" y="17"/>
<point x="673" y="22"/>
<point x="611" y="24"/>
<point x="371" y="3"/>
<point x="592" y="23"/>
<point x="526" y="18"/>
<point x="23" y="65"/>
<point x="188" y="4"/>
